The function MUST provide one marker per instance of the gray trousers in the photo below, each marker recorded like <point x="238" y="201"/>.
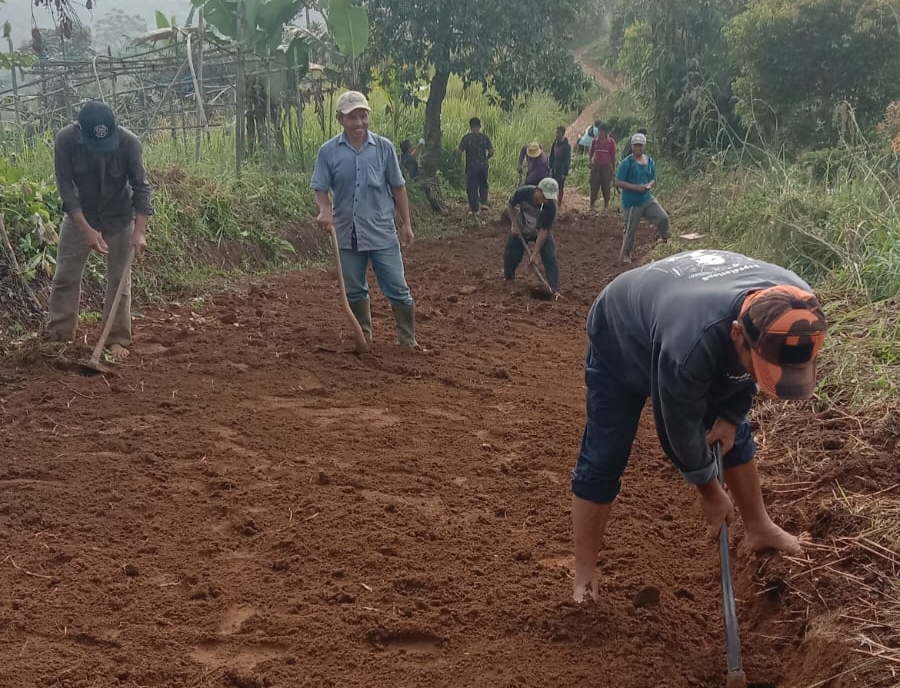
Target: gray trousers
<point x="71" y="256"/>
<point x="655" y="215"/>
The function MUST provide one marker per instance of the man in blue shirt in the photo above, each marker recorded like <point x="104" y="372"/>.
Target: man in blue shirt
<point x="362" y="171"/>
<point x="636" y="178"/>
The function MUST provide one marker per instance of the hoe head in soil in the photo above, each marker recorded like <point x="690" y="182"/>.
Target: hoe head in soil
<point x="543" y="294"/>
<point x="92" y="366"/>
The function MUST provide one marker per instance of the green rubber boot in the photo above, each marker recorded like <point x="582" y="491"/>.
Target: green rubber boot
<point x="405" y="317"/>
<point x="363" y="313"/>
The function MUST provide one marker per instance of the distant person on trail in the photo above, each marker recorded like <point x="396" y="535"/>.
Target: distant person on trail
<point x="602" y="160"/>
<point x="106" y="203"/>
<point x="478" y="149"/>
<point x="538" y="163"/>
<point x="409" y="162"/>
<point x="636" y="178"/>
<point x="587" y="138"/>
<point x="695" y="333"/>
<point x="560" y="161"/>
<point x="626" y="149"/>
<point x="362" y="171"/>
<point x="532" y="210"/>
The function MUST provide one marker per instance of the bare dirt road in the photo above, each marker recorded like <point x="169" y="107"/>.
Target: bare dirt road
<point x="241" y="507"/>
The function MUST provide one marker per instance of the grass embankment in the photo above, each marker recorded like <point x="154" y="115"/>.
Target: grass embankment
<point x="834" y="218"/>
<point x="838" y="226"/>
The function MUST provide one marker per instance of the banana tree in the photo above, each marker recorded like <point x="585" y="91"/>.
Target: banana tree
<point x="275" y="64"/>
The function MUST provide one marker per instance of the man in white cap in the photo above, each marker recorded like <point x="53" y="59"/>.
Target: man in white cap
<point x="532" y="210"/>
<point x="362" y="172"/>
<point x="636" y="178"/>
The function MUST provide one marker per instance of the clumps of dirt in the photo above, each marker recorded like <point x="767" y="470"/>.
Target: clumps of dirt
<point x="240" y="679"/>
<point x="647" y="597"/>
<point x="406" y="640"/>
<point x="830" y="607"/>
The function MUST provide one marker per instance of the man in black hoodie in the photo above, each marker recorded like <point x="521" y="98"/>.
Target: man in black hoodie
<point x="560" y="161"/>
<point x="696" y="333"/>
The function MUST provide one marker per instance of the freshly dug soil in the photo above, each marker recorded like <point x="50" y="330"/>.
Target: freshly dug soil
<point x="245" y="504"/>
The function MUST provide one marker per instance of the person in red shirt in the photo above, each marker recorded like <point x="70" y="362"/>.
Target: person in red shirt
<point x="602" y="159"/>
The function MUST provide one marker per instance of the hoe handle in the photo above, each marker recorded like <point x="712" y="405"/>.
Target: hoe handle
<point x="111" y="315"/>
<point x="362" y="345"/>
<point x="733" y="640"/>
<point x="537" y="270"/>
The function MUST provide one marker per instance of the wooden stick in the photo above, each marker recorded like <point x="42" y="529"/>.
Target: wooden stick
<point x="107" y="326"/>
<point x="15" y="266"/>
<point x="362" y="346"/>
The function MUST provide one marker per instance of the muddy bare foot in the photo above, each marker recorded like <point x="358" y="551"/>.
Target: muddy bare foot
<point x="770" y="536"/>
<point x="585" y="589"/>
<point x="118" y="352"/>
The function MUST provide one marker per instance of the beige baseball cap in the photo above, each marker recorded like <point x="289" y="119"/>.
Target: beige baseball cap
<point x="350" y="101"/>
<point x="550" y="188"/>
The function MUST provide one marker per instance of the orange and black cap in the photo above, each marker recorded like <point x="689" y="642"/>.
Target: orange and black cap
<point x="785" y="328"/>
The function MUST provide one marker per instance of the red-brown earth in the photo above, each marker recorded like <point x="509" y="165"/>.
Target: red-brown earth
<point x="245" y="504"/>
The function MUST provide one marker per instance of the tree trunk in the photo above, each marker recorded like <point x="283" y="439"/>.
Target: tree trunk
<point x="431" y="157"/>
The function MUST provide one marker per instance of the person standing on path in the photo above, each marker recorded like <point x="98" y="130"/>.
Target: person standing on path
<point x="538" y="163"/>
<point x="626" y="149"/>
<point x="409" y="163"/>
<point x="696" y="333"/>
<point x="602" y="160"/>
<point x="478" y="149"/>
<point x="560" y="162"/>
<point x="587" y="138"/>
<point x="532" y="210"/>
<point x="361" y="169"/>
<point x="636" y="178"/>
<point x="105" y="196"/>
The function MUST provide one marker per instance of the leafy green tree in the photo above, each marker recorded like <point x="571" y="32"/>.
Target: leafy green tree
<point x="678" y="59"/>
<point x="515" y="46"/>
<point x="797" y="60"/>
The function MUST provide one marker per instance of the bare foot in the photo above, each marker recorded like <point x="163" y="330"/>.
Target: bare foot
<point x="770" y="536"/>
<point x="585" y="588"/>
<point x="118" y="352"/>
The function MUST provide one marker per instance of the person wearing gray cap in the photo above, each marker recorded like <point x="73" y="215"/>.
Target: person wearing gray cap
<point x="106" y="203"/>
<point x="362" y="172"/>
<point x="636" y="178"/>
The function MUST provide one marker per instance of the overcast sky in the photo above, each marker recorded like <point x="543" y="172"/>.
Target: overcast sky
<point x="19" y="13"/>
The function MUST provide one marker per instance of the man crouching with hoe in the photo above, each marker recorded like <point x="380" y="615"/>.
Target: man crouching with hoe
<point x="696" y="333"/>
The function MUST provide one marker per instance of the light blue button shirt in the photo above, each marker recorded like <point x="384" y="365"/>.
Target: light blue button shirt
<point x="361" y="183"/>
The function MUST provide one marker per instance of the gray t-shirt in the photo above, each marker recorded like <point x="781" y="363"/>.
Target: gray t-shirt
<point x="665" y="330"/>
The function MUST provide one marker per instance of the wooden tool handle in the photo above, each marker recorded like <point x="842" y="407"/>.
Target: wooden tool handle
<point x="358" y="335"/>
<point x="111" y="314"/>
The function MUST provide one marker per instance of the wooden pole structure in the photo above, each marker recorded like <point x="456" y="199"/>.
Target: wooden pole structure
<point x="174" y="122"/>
<point x="15" y="87"/>
<point x="65" y="79"/>
<point x="44" y="123"/>
<point x="239" y="106"/>
<point x="201" y="114"/>
<point x="115" y="95"/>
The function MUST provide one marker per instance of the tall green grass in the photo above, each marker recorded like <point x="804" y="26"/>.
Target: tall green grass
<point x="837" y="224"/>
